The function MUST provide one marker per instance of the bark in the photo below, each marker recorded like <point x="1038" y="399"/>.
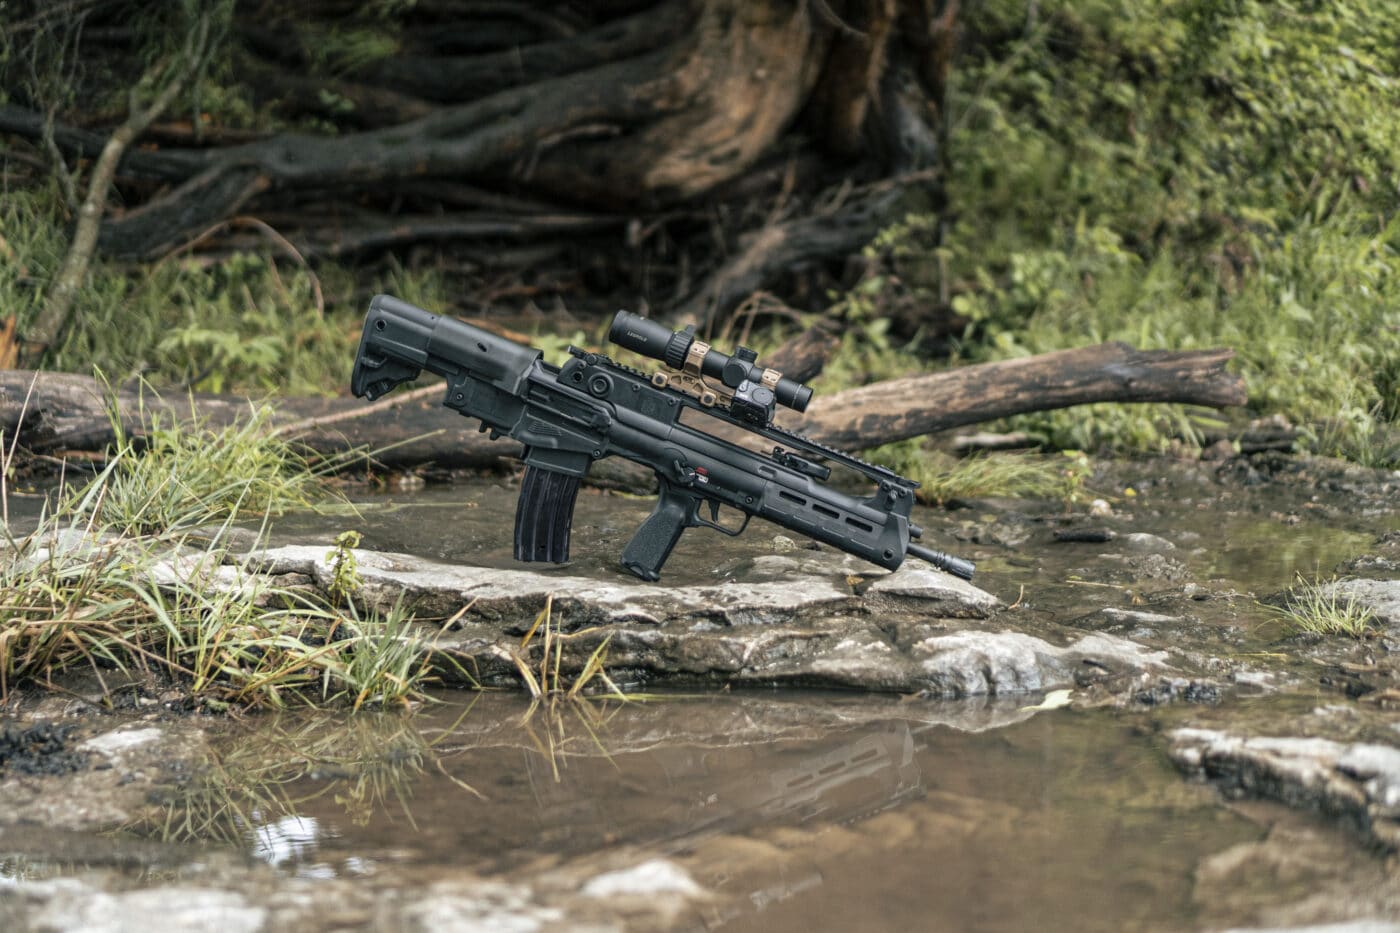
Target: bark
<point x="1111" y="372"/>
<point x="653" y="113"/>
<point x="781" y="247"/>
<point x="456" y="140"/>
<point x="68" y="412"/>
<point x="663" y="126"/>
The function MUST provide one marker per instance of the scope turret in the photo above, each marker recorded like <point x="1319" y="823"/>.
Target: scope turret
<point x="673" y="348"/>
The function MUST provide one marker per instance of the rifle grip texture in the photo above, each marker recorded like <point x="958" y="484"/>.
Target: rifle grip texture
<point x="544" y="515"/>
<point x="652" y="543"/>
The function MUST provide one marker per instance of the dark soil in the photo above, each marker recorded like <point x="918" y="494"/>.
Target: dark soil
<point x="39" y="749"/>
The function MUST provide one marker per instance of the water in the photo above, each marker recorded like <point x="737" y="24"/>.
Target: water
<point x="798" y="811"/>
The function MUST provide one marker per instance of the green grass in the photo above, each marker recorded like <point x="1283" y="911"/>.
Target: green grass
<point x="255" y="323"/>
<point x="126" y="579"/>
<point x="1318" y="607"/>
<point x="154" y="612"/>
<point x="191" y="473"/>
<point x="943" y="478"/>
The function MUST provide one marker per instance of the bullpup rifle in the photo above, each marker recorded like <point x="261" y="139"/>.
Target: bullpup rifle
<point x="591" y="407"/>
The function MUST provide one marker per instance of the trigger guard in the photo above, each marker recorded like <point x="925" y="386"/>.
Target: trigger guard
<point x="714" y="505"/>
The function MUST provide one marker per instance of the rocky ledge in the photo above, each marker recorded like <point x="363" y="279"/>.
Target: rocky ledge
<point x="815" y="618"/>
<point x="1357" y="783"/>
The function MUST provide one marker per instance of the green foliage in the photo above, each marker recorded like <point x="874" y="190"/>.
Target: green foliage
<point x="244" y="324"/>
<point x="192" y="474"/>
<point x="1178" y="175"/>
<point x="1319" y="608"/>
<point x="943" y="478"/>
<point x="115" y="580"/>
<point x="345" y="572"/>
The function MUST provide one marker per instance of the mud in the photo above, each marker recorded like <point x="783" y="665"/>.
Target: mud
<point x="39" y="749"/>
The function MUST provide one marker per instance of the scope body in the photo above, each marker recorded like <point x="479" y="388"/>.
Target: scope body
<point x="671" y="347"/>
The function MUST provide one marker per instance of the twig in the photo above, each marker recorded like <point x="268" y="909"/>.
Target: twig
<point x="392" y="402"/>
<point x="267" y="230"/>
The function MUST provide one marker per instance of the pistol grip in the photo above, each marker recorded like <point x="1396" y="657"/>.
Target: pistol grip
<point x="544" y="515"/>
<point x="652" y="543"/>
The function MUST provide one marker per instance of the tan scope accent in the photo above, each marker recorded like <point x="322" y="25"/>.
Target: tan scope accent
<point x="695" y="357"/>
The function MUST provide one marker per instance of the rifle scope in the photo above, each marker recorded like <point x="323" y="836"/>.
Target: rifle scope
<point x="672" y="347"/>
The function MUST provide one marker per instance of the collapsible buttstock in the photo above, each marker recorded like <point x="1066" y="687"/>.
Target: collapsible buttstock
<point x="544" y="515"/>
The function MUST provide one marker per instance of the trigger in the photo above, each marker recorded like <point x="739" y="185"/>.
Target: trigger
<point x="714" y="509"/>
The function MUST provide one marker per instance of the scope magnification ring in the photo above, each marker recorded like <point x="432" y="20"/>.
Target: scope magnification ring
<point x="676" y="349"/>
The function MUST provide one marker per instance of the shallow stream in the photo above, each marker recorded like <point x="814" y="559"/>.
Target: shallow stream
<point x="790" y="810"/>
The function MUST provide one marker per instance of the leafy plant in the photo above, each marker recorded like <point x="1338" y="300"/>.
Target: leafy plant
<point x="115" y="579"/>
<point x="345" y="573"/>
<point x="1175" y="175"/>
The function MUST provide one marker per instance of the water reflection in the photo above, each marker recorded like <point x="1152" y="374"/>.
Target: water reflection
<point x="774" y="804"/>
<point x="284" y="839"/>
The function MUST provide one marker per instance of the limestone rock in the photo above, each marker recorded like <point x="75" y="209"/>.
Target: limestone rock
<point x="1358" y="783"/>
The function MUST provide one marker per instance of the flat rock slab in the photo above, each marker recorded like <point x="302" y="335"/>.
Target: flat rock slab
<point x="1382" y="597"/>
<point x="776" y="588"/>
<point x="817" y="619"/>
<point x="1358" y="783"/>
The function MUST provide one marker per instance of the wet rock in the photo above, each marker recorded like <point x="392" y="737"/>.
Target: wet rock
<point x="652" y="878"/>
<point x="1138" y="617"/>
<point x="116" y="743"/>
<point x="936" y="593"/>
<point x="119" y="768"/>
<point x="816" y="618"/>
<point x="1382" y="597"/>
<point x="1177" y="689"/>
<point x="1085" y="535"/>
<point x="512" y="595"/>
<point x="1298" y="877"/>
<point x="1141" y="568"/>
<point x="179" y="909"/>
<point x="998" y="663"/>
<point x="1358" y="783"/>
<point x="448" y="907"/>
<point x="1142" y="543"/>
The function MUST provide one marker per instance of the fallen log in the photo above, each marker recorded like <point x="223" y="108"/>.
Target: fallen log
<point x="890" y="411"/>
<point x="50" y="413"/>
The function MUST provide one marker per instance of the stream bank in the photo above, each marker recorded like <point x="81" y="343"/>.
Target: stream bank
<point x="1207" y="768"/>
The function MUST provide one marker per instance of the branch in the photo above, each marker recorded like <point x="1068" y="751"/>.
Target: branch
<point x="69" y="281"/>
<point x="57" y="411"/>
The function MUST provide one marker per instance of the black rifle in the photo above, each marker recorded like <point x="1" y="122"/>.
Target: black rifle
<point x="591" y="408"/>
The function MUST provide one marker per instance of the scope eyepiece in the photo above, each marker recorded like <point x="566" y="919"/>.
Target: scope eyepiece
<point x="659" y="342"/>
